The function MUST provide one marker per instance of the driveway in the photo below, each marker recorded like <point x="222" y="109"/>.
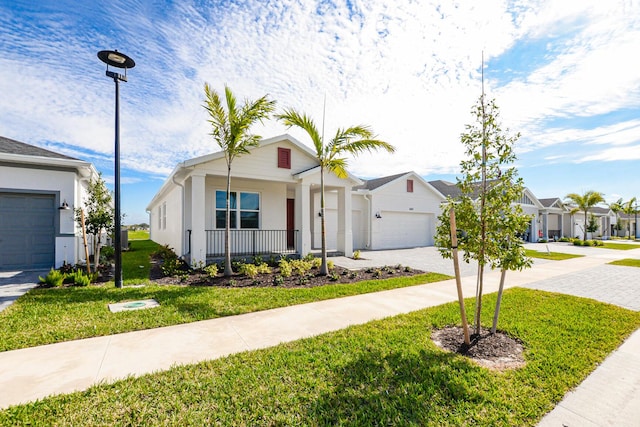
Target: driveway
<point x="14" y="284"/>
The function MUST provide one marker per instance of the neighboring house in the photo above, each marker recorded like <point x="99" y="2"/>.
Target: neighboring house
<point x="528" y="202"/>
<point x="38" y="191"/>
<point x="398" y="211"/>
<point x="628" y="222"/>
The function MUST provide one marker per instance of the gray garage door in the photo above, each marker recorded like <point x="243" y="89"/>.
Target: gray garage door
<point x="27" y="231"/>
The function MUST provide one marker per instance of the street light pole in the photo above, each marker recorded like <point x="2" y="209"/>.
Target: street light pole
<point x="118" y="60"/>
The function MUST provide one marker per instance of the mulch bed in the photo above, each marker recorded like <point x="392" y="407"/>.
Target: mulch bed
<point x="336" y="275"/>
<point x="497" y="351"/>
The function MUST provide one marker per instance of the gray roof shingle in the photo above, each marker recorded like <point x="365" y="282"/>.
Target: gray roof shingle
<point x="11" y="146"/>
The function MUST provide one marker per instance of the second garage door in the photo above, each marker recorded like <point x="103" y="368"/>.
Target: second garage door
<point x="27" y="231"/>
<point x="405" y="230"/>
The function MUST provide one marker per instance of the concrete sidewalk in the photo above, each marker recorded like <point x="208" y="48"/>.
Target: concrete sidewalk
<point x="34" y="373"/>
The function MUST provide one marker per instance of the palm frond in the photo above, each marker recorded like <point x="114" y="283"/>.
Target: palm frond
<point x="291" y="117"/>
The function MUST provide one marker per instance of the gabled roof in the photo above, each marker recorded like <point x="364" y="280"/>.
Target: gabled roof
<point x="446" y="188"/>
<point x="11" y="146"/>
<point x="372" y="184"/>
<point x="547" y="203"/>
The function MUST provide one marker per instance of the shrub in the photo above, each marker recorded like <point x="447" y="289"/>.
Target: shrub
<point x="211" y="270"/>
<point x="107" y="252"/>
<point x="330" y="265"/>
<point x="334" y="277"/>
<point x="315" y="262"/>
<point x="564" y="239"/>
<point x="172" y="267"/>
<point x="53" y="278"/>
<point x="165" y="253"/>
<point x="300" y="266"/>
<point x="80" y="279"/>
<point x="285" y="268"/>
<point x="356" y="254"/>
<point x="278" y="280"/>
<point x="263" y="268"/>
<point x="249" y="270"/>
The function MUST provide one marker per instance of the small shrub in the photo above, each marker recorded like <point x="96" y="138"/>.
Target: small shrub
<point x="330" y="265"/>
<point x="353" y="275"/>
<point x="315" y="262"/>
<point x="263" y="268"/>
<point x="53" y="278"/>
<point x="334" y="277"/>
<point x="407" y="269"/>
<point x="107" y="252"/>
<point x="80" y="279"/>
<point x="564" y="239"/>
<point x="165" y="253"/>
<point x="249" y="270"/>
<point x="278" y="280"/>
<point x="211" y="270"/>
<point x="543" y="241"/>
<point x="172" y="267"/>
<point x="285" y="268"/>
<point x="356" y="254"/>
<point x="300" y="266"/>
<point x="377" y="273"/>
<point x="257" y="260"/>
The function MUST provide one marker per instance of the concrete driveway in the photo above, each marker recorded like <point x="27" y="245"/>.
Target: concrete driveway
<point x="14" y="284"/>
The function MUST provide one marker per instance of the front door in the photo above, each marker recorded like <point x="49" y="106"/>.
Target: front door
<point x="291" y="223"/>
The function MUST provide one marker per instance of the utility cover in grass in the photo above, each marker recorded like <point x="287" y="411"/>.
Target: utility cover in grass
<point x="133" y="305"/>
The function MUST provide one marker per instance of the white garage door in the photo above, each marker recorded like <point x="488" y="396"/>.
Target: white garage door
<point x="405" y="230"/>
<point x="27" y="231"/>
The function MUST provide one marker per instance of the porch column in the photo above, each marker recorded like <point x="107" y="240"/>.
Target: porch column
<point x="303" y="218"/>
<point x="345" y="234"/>
<point x="198" y="237"/>
<point x="545" y="226"/>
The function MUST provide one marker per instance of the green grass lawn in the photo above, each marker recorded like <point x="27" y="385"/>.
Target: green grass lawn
<point x="386" y="372"/>
<point x="627" y="262"/>
<point x="138" y="235"/>
<point x="556" y="256"/>
<point x="619" y="246"/>
<point x="50" y="315"/>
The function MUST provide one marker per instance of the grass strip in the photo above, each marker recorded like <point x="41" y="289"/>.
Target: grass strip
<point x="385" y="372"/>
<point x="45" y="316"/>
<point x="138" y="235"/>
<point x="627" y="262"/>
<point x="556" y="256"/>
<point x="619" y="246"/>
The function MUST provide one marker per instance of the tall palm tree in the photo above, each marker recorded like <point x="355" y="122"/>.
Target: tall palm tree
<point x="629" y="208"/>
<point x="616" y="208"/>
<point x="231" y="125"/>
<point x="584" y="202"/>
<point x="353" y="140"/>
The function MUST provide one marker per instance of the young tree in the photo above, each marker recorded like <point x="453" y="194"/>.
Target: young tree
<point x="99" y="214"/>
<point x="353" y="140"/>
<point x="231" y="131"/>
<point x="486" y="208"/>
<point x="584" y="202"/>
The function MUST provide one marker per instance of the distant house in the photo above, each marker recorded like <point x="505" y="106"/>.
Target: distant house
<point x="38" y="191"/>
<point x="538" y="226"/>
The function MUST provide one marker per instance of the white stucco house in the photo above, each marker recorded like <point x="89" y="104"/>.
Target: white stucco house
<point x="276" y="206"/>
<point x="38" y="191"/>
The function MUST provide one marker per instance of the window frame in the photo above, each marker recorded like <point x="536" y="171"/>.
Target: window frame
<point x="235" y="212"/>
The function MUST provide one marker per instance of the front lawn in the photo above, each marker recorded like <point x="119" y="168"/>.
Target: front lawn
<point x="619" y="246"/>
<point x="627" y="262"/>
<point x="556" y="256"/>
<point x="51" y="315"/>
<point x="386" y="372"/>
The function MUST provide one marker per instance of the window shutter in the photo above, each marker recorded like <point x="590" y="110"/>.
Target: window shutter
<point x="409" y="186"/>
<point x="284" y="158"/>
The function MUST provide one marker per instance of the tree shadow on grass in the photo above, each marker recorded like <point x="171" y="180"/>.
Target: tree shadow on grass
<point x="398" y="389"/>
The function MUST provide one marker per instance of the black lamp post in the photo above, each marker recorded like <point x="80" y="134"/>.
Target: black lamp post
<point x="118" y="60"/>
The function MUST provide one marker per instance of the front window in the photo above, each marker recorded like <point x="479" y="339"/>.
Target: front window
<point x="244" y="210"/>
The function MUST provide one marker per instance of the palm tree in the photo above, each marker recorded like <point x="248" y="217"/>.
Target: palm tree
<point x="584" y="202"/>
<point x="352" y="140"/>
<point x="629" y="208"/>
<point x="616" y="208"/>
<point x="231" y="131"/>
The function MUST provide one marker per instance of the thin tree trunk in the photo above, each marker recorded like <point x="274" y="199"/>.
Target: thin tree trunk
<point x="228" y="271"/>
<point x="456" y="268"/>
<point x="324" y="270"/>
<point x="84" y="239"/>
<point x="503" y="274"/>
<point x="585" y="225"/>
<point x="479" y="298"/>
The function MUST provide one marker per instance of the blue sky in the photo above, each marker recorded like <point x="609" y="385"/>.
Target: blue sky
<point x="564" y="73"/>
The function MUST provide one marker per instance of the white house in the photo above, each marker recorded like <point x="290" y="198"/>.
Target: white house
<point x="38" y="190"/>
<point x="273" y="203"/>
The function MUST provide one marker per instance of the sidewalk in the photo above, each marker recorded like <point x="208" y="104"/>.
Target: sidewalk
<point x="34" y="373"/>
